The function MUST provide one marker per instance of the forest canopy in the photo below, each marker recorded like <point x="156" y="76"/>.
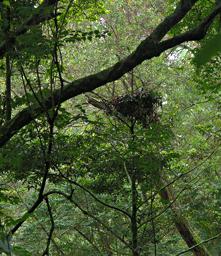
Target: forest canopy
<point x="110" y="127"/>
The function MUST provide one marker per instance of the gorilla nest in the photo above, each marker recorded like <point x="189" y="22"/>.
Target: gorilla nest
<point x="140" y="106"/>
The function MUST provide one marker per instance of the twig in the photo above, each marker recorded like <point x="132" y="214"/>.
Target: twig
<point x="197" y="245"/>
<point x="93" y="196"/>
<point x="46" y="252"/>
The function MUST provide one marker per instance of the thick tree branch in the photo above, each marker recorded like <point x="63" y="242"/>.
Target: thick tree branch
<point x="195" y="34"/>
<point x="147" y="49"/>
<point x="164" y="27"/>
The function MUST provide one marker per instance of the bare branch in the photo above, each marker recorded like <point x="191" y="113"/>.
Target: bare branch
<point x="197" y="245"/>
<point x="46" y="252"/>
<point x="94" y="197"/>
<point x="87" y="213"/>
<point x="88" y="240"/>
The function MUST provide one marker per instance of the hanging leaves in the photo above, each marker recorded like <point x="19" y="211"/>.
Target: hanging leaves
<point x="210" y="49"/>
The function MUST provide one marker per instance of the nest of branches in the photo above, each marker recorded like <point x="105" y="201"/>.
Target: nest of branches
<point x="140" y="106"/>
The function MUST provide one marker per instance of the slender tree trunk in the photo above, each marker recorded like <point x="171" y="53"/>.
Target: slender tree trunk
<point x="181" y="222"/>
<point x="8" y="108"/>
<point x="6" y="29"/>
<point x="134" y="229"/>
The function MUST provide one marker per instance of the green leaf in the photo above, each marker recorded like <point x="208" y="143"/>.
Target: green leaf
<point x="210" y="49"/>
<point x="6" y="3"/>
<point x="20" y="251"/>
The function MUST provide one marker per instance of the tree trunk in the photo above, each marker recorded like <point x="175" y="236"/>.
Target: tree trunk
<point x="134" y="229"/>
<point x="6" y="29"/>
<point x="8" y="108"/>
<point x="181" y="222"/>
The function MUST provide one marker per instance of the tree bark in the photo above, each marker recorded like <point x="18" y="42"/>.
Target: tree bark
<point x="8" y="107"/>
<point x="134" y="230"/>
<point x="6" y="26"/>
<point x="181" y="222"/>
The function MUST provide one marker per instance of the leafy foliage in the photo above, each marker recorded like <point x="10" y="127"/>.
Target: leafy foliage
<point x="101" y="180"/>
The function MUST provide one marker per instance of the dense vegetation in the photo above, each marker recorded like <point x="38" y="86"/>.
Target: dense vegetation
<point x="110" y="127"/>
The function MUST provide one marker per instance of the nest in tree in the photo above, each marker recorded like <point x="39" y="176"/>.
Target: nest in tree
<point x="140" y="106"/>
